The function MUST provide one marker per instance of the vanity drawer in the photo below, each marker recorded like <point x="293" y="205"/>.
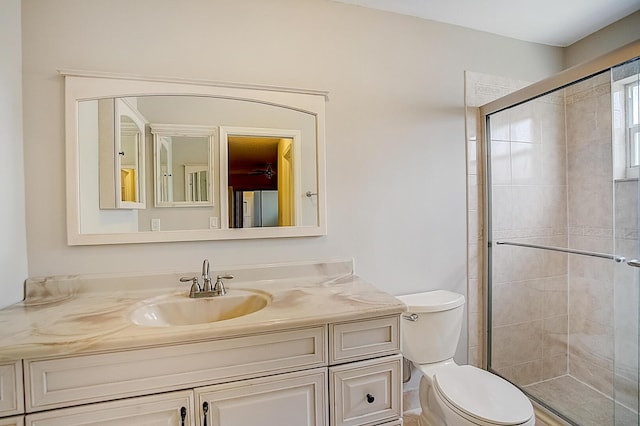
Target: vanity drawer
<point x="12" y="421"/>
<point x="366" y="392"/>
<point x="355" y="340"/>
<point x="60" y="382"/>
<point x="11" y="400"/>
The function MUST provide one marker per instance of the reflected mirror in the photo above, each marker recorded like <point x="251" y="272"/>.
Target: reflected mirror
<point x="183" y="165"/>
<point x="120" y="135"/>
<point x="223" y="161"/>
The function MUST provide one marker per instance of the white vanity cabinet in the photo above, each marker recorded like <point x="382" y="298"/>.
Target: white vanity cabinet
<point x="339" y="374"/>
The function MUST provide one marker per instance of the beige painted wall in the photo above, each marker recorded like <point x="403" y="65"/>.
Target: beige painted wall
<point x="396" y="87"/>
<point x="13" y="240"/>
<point x="395" y="123"/>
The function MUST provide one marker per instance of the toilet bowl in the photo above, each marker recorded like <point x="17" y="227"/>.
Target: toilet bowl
<point x="451" y="394"/>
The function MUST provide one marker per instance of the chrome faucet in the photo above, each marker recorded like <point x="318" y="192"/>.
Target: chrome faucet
<point x="206" y="278"/>
<point x="207" y="289"/>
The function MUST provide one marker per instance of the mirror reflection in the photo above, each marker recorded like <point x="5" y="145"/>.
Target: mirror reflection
<point x="260" y="180"/>
<point x="130" y="142"/>
<point x="119" y="133"/>
<point x="183" y="166"/>
<point x="211" y="162"/>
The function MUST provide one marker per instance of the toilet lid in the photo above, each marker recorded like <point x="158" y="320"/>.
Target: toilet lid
<point x="483" y="395"/>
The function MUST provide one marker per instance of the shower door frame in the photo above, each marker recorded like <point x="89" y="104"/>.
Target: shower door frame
<point x="558" y="81"/>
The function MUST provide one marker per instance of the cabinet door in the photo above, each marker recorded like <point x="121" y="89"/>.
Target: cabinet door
<point x="171" y="409"/>
<point x="286" y="399"/>
<point x="11" y="393"/>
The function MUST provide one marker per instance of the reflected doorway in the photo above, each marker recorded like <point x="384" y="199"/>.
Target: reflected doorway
<point x="260" y="181"/>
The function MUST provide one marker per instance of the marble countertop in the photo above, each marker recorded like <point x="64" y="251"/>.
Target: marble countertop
<point x="81" y="314"/>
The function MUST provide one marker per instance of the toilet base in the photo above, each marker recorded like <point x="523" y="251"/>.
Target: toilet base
<point x="431" y="414"/>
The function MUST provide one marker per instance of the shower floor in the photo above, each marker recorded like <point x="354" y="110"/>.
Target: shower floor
<point x="581" y="403"/>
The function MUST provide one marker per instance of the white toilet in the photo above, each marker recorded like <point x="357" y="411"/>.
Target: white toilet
<point x="451" y="394"/>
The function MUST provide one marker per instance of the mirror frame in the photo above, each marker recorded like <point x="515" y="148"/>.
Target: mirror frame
<point x="85" y="85"/>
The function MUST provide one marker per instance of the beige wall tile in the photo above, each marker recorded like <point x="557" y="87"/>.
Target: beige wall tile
<point x="517" y="344"/>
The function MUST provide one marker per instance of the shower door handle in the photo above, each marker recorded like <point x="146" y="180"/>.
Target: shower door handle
<point x="634" y="262"/>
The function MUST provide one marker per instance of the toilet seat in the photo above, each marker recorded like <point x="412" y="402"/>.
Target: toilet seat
<point x="481" y="397"/>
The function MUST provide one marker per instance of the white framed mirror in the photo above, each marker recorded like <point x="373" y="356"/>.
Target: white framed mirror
<point x="193" y="205"/>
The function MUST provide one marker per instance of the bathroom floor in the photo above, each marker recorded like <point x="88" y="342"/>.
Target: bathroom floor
<point x="582" y="404"/>
<point x="410" y="418"/>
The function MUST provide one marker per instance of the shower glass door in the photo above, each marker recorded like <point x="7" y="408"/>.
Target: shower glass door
<point x="563" y="251"/>
<point x="625" y="101"/>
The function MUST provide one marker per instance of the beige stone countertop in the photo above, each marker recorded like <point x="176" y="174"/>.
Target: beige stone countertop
<point x="81" y="314"/>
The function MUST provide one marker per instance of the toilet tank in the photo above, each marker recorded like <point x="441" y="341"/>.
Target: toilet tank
<point x="433" y="335"/>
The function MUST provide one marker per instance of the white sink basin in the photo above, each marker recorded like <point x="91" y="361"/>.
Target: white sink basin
<point x="180" y="310"/>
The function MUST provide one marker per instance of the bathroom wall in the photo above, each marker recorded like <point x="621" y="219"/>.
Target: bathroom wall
<point x="13" y="238"/>
<point x="622" y="32"/>
<point x="395" y="123"/>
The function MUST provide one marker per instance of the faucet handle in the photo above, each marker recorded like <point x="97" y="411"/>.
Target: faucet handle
<point x="195" y="285"/>
<point x="226" y="277"/>
<point x="218" y="287"/>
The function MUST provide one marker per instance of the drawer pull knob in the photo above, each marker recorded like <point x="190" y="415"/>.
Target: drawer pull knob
<point x="370" y="398"/>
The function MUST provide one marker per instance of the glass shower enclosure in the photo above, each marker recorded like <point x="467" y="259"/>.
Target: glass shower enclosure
<point x="562" y="268"/>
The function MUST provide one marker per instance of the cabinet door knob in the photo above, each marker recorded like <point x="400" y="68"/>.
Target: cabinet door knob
<point x="205" y="410"/>
<point x="370" y="398"/>
<point x="183" y="415"/>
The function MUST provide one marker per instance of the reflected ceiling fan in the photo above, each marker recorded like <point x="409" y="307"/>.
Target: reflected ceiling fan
<point x="269" y="172"/>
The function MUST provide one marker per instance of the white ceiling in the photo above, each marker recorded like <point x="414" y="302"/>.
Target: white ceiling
<point x="552" y="22"/>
